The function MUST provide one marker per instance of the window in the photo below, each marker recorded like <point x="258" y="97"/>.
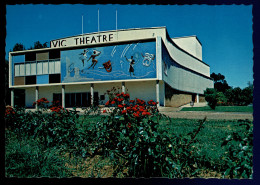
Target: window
<point x="57" y="67"/>
<point x="39" y="68"/>
<point x="33" y="68"/>
<point x="28" y="69"/>
<point x="17" y="70"/>
<point x="51" y="67"/>
<point x="45" y="67"/>
<point x="21" y="69"/>
<point x="54" y="66"/>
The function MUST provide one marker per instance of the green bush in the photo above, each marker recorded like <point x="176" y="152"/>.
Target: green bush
<point x="211" y="97"/>
<point x="238" y="160"/>
<point x="130" y="135"/>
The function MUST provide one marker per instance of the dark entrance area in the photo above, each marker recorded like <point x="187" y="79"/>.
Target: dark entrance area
<point x="77" y="99"/>
<point x="19" y="97"/>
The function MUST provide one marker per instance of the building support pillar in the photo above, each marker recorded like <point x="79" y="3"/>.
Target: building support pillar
<point x="123" y="87"/>
<point x="92" y="93"/>
<point x="157" y="93"/>
<point x="197" y="98"/>
<point x="36" y="97"/>
<point x="12" y="97"/>
<point x="63" y="96"/>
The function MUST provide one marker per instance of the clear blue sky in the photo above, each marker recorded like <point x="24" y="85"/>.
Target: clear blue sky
<point x="225" y="31"/>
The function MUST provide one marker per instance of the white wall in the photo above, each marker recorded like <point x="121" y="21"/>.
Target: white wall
<point x="145" y="90"/>
<point x="186" y="60"/>
<point x="190" y="44"/>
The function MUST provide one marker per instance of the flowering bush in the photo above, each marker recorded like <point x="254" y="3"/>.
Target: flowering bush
<point x="42" y="103"/>
<point x="9" y="111"/>
<point x="56" y="107"/>
<point x="130" y="136"/>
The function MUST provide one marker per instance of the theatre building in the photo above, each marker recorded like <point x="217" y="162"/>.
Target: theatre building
<point x="145" y="62"/>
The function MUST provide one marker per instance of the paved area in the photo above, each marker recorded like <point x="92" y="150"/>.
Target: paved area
<point x="210" y="115"/>
<point x="174" y="112"/>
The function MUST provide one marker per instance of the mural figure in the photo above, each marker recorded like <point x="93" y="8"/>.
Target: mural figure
<point x="148" y="58"/>
<point x="93" y="56"/>
<point x="131" y="65"/>
<point x="83" y="56"/>
<point x="107" y="65"/>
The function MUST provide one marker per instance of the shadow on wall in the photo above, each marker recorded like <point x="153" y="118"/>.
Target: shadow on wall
<point x="175" y="98"/>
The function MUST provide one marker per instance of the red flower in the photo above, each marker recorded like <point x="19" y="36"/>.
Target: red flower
<point x="104" y="111"/>
<point x="136" y="115"/>
<point x="118" y="95"/>
<point x="146" y="113"/>
<point x="134" y="109"/>
<point x="124" y="111"/>
<point x="154" y="103"/>
<point x="131" y="101"/>
<point x="126" y="95"/>
<point x="129" y="125"/>
<point x="107" y="103"/>
<point x="120" y="106"/>
<point x="113" y="102"/>
<point x="120" y="99"/>
<point x="128" y="108"/>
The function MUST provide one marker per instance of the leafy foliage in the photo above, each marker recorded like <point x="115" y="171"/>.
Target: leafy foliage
<point x="239" y="156"/>
<point x="130" y="133"/>
<point x="220" y="84"/>
<point x="211" y="97"/>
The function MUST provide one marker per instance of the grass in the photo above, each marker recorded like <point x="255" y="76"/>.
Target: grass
<point x="209" y="138"/>
<point x="221" y="109"/>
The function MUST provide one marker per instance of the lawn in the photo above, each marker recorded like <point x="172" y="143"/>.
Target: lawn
<point x="221" y="109"/>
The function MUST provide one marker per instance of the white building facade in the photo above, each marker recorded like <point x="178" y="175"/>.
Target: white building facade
<point x="144" y="62"/>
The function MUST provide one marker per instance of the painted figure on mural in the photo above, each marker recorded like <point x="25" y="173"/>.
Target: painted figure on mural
<point x="83" y="56"/>
<point x="148" y="58"/>
<point x="94" y="60"/>
<point x="107" y="66"/>
<point x="131" y="65"/>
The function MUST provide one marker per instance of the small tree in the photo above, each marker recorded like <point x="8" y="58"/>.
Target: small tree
<point x="211" y="97"/>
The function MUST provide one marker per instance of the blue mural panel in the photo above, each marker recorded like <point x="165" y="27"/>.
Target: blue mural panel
<point x="120" y="62"/>
<point x="42" y="79"/>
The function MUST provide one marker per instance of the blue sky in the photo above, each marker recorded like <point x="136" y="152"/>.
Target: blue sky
<point x="225" y="31"/>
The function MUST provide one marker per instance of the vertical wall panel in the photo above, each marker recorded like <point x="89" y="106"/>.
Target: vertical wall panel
<point x="42" y="56"/>
<point x="42" y="79"/>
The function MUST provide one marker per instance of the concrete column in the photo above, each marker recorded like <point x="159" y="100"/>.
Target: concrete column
<point x="63" y="96"/>
<point x="157" y="93"/>
<point x="123" y="87"/>
<point x="92" y="93"/>
<point x="12" y="97"/>
<point x="197" y="97"/>
<point x="36" y="97"/>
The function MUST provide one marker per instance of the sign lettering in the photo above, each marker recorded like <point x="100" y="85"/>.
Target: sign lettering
<point x="82" y="40"/>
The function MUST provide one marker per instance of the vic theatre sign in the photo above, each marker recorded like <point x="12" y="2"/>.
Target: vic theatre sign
<point x="82" y="40"/>
<point x="127" y="61"/>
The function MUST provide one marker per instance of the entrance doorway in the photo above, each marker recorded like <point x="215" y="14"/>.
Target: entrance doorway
<point x="77" y="99"/>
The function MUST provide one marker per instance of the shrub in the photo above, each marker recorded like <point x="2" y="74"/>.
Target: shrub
<point x="130" y="136"/>
<point x="211" y="97"/>
<point x="238" y="160"/>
